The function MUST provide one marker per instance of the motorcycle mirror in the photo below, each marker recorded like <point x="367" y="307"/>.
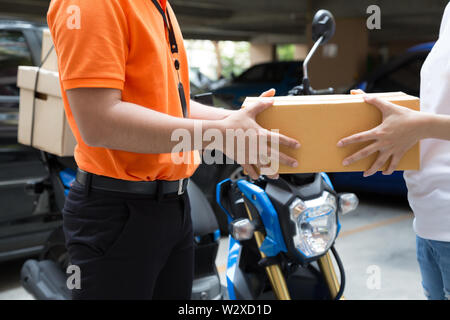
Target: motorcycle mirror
<point x="323" y="26"/>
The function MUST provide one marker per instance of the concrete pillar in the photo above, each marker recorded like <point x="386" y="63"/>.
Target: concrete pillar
<point x="343" y="59"/>
<point x="260" y="53"/>
<point x="300" y="51"/>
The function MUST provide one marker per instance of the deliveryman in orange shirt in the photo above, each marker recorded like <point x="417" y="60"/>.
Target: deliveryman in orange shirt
<point x="124" y="77"/>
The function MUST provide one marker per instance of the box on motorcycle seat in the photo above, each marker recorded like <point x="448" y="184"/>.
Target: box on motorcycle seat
<point x="42" y="120"/>
<point x="319" y="122"/>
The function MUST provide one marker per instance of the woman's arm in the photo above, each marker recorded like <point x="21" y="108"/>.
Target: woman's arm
<point x="435" y="126"/>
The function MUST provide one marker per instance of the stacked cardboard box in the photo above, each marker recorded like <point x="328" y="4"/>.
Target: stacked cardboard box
<point x="51" y="63"/>
<point x="319" y="122"/>
<point x="42" y="120"/>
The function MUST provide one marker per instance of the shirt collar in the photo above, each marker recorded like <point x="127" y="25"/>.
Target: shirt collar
<point x="163" y="4"/>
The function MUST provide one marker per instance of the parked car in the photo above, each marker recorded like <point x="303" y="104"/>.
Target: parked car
<point x="212" y="100"/>
<point x="24" y="224"/>
<point x="203" y="82"/>
<point x="400" y="74"/>
<point x="282" y="76"/>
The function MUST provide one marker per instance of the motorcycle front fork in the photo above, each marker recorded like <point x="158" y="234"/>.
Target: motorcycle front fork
<point x="329" y="274"/>
<point x="274" y="273"/>
<point x="276" y="276"/>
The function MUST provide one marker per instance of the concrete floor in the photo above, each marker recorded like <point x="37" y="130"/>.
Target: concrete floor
<point x="376" y="245"/>
<point x="377" y="240"/>
<point x="10" y="288"/>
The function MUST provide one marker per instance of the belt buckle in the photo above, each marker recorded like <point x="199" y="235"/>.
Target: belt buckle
<point x="180" y="187"/>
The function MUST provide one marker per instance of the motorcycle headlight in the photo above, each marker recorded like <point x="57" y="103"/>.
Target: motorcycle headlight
<point x="315" y="224"/>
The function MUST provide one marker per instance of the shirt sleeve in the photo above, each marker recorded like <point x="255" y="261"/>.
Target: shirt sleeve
<point x="91" y="42"/>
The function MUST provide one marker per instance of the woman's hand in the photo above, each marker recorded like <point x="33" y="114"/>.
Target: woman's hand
<point x="399" y="131"/>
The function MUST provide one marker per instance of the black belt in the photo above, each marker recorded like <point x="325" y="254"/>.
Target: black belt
<point x="157" y="188"/>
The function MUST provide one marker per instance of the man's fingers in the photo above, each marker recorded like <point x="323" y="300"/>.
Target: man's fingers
<point x="274" y="138"/>
<point x="267" y="170"/>
<point x="266" y="166"/>
<point x="250" y="170"/>
<point x="358" y="137"/>
<point x="361" y="154"/>
<point x="283" y="159"/>
<point x="356" y="91"/>
<point x="269" y="164"/>
<point x="287" y="160"/>
<point x="274" y="176"/>
<point x="274" y="156"/>
<point x="268" y="93"/>
<point x="259" y="107"/>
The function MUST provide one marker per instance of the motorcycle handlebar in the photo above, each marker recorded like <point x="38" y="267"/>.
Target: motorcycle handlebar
<point x="305" y="89"/>
<point x="322" y="91"/>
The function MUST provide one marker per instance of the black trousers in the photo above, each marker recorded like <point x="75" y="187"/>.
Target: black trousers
<point x="129" y="246"/>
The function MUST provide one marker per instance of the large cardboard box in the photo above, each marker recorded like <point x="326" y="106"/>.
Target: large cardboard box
<point x="319" y="122"/>
<point x="51" y="131"/>
<point x="51" y="63"/>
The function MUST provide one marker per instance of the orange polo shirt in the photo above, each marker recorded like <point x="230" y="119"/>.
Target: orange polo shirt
<point x="123" y="45"/>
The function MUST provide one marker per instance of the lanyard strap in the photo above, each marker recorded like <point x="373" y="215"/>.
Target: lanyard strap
<point x="168" y="24"/>
<point x="173" y="49"/>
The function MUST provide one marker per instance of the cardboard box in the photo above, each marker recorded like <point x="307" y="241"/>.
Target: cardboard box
<point x="51" y="63"/>
<point x="51" y="130"/>
<point x="319" y="122"/>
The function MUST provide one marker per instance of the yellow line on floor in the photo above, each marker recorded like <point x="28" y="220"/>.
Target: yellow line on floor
<point x="375" y="225"/>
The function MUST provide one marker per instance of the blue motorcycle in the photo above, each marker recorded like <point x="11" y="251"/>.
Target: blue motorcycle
<point x="282" y="231"/>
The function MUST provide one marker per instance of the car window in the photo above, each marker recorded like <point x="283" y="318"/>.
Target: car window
<point x="274" y="73"/>
<point x="277" y="72"/>
<point x="405" y="78"/>
<point x="13" y="52"/>
<point x="254" y="74"/>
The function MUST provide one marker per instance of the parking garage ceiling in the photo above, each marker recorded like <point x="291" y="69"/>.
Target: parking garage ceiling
<point x="278" y="21"/>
